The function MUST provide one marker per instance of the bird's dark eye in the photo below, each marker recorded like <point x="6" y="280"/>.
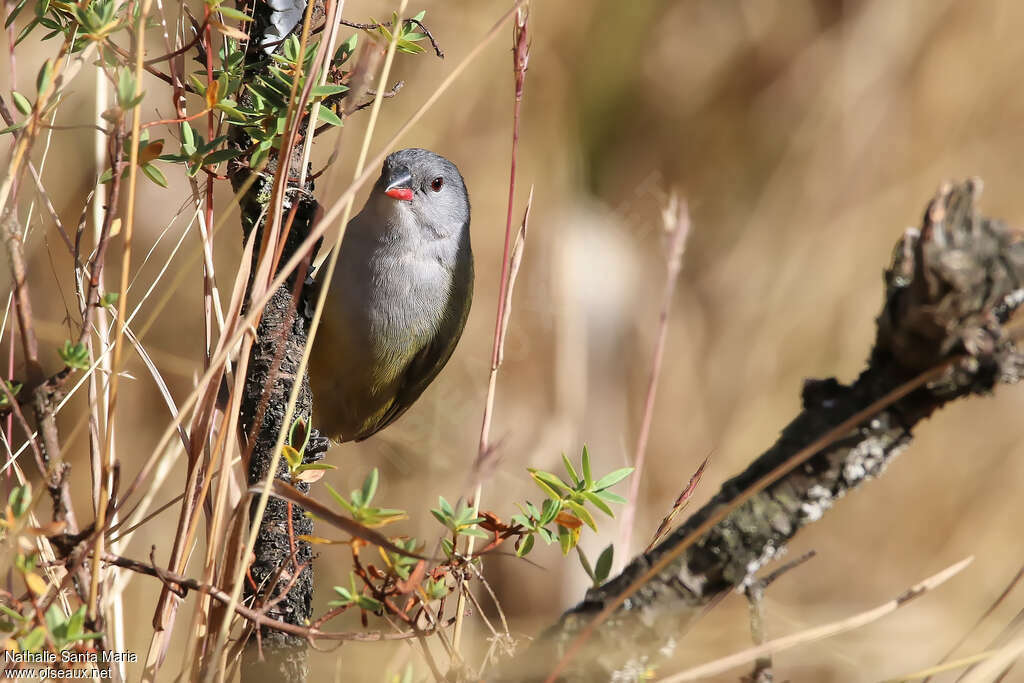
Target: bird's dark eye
<point x="436" y="184"/>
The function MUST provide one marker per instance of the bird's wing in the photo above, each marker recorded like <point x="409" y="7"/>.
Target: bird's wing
<point x="427" y="363"/>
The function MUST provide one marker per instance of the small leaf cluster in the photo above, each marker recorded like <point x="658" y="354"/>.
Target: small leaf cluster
<point x="23" y="623"/>
<point x="15" y="530"/>
<point x="265" y="114"/>
<point x="598" y="572"/>
<point x="358" y="504"/>
<point x="353" y="597"/>
<point x="14" y="388"/>
<point x="64" y="630"/>
<point x="44" y="79"/>
<point x="460" y="520"/>
<point x="408" y="34"/>
<point x="148" y="153"/>
<point x="298" y="470"/>
<point x="86" y="22"/>
<point x="220" y="93"/>
<point x="75" y="356"/>
<point x="197" y="153"/>
<point x="565" y="507"/>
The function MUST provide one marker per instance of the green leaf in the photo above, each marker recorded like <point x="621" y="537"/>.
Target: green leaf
<point x="439" y="516"/>
<point x="327" y="115"/>
<point x="581" y="512"/>
<point x="370" y="486"/>
<point x="45" y="77"/>
<point x="571" y="470"/>
<point x="435" y="588"/>
<point x="473" y="531"/>
<point x="14" y="13"/>
<point x="586" y="564"/>
<point x="549" y="511"/>
<point x="611" y="497"/>
<point x="340" y="499"/>
<point x="327" y="90"/>
<point x="21" y="102"/>
<point x="109" y="299"/>
<point x="11" y="613"/>
<point x="445" y="506"/>
<point x="314" y="466"/>
<point x="220" y="155"/>
<point x="369" y="604"/>
<point x="604" y="564"/>
<point x="524" y="546"/>
<point x="198" y="84"/>
<point x="75" y="623"/>
<point x="346" y="49"/>
<point x="566" y="539"/>
<point x="34" y="640"/>
<point x="13" y="127"/>
<point x="125" y="88"/>
<point x="188" y="138"/>
<point x="613" y="478"/>
<point x="587" y="476"/>
<point x="291" y="456"/>
<point x="549" y="478"/>
<point x="20" y="499"/>
<point x="154" y="174"/>
<point x="598" y="503"/>
<point x="25" y="31"/>
<point x="14" y="388"/>
<point x="229" y="107"/>
<point x="235" y="14"/>
<point x="75" y="357"/>
<point x="408" y="48"/>
<point x="551" y="493"/>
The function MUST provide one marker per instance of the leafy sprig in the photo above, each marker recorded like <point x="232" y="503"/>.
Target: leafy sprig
<point x="566" y="507"/>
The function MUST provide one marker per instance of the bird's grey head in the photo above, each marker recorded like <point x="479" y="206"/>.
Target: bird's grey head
<point x="416" y="183"/>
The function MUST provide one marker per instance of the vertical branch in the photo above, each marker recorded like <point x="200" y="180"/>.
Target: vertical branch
<point x="677" y="223"/>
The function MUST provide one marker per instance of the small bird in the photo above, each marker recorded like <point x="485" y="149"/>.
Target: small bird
<point x="399" y="298"/>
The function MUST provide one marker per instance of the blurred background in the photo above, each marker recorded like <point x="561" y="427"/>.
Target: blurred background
<point x="806" y="136"/>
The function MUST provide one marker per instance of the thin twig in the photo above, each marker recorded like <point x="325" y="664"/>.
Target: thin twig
<point x="820" y="632"/>
<point x="258" y="617"/>
<point x="371" y="27"/>
<point x="520" y="61"/>
<point x="677" y="223"/>
<point x="754" y="591"/>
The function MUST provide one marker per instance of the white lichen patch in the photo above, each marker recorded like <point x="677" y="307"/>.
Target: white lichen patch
<point x="635" y="669"/>
<point x="770" y="552"/>
<point x="819" y="499"/>
<point x="868" y="459"/>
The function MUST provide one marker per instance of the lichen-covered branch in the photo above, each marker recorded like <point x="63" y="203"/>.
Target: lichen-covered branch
<point x="281" y="573"/>
<point x="949" y="293"/>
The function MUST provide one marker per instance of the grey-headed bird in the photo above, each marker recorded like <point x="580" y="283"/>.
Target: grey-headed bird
<point x="399" y="298"/>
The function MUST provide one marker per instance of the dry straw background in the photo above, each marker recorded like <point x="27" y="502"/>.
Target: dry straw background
<point x="806" y="135"/>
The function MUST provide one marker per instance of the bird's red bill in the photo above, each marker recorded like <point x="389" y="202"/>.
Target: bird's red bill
<point x="403" y="193"/>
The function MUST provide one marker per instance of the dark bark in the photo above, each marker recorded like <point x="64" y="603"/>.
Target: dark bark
<point x="282" y="563"/>
<point x="948" y="292"/>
